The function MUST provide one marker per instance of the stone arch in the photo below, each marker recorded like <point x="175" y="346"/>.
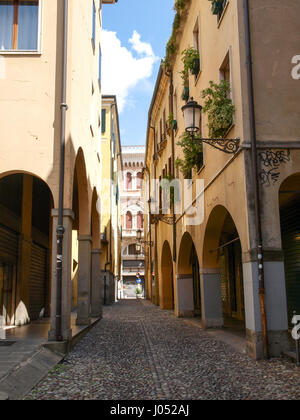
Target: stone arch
<point x="95" y="222"/>
<point x="188" y="278"/>
<point x="81" y="196"/>
<point x="96" y="292"/>
<point x="166" y="292"/>
<point x="222" y="282"/>
<point x="26" y="202"/>
<point x="81" y="245"/>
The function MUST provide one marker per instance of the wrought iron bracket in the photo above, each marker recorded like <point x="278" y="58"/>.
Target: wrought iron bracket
<point x="155" y="218"/>
<point x="229" y="146"/>
<point x="148" y="243"/>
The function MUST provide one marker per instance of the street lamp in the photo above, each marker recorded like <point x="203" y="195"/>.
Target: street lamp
<point x="192" y="116"/>
<point x="139" y="235"/>
<point x="138" y="248"/>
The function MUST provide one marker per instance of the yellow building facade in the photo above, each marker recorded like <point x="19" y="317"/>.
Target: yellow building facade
<point x="214" y="268"/>
<point x="111" y="178"/>
<point x="50" y="103"/>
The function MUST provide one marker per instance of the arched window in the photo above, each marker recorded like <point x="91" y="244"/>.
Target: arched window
<point x="132" y="249"/>
<point x="139" y="180"/>
<point x="128" y="220"/>
<point x="140" y="220"/>
<point x="128" y="181"/>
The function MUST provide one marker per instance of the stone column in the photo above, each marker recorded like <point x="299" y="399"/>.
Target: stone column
<point x="84" y="280"/>
<point x="211" y="298"/>
<point x="24" y="260"/>
<point x="96" y="286"/>
<point x="252" y="311"/>
<point x="276" y="304"/>
<point x="185" y="296"/>
<point x="66" y="276"/>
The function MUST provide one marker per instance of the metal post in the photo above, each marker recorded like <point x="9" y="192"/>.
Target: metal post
<point x="60" y="228"/>
<point x="255" y="184"/>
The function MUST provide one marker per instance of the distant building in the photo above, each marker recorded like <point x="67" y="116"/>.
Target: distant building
<point x="132" y="216"/>
<point x="111" y="178"/>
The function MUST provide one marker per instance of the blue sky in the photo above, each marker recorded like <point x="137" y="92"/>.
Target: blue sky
<point x="134" y="39"/>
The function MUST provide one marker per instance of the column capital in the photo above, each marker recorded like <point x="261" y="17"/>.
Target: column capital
<point x="67" y="213"/>
<point x="84" y="238"/>
<point x="96" y="251"/>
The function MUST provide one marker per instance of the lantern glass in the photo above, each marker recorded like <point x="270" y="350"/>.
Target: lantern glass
<point x="138" y="248"/>
<point x="139" y="235"/>
<point x="192" y="116"/>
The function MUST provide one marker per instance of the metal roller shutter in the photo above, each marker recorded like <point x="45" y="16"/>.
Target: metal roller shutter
<point x="38" y="280"/>
<point x="290" y="229"/>
<point x="8" y="245"/>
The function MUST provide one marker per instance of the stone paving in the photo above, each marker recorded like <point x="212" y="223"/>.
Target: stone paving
<point x="139" y="352"/>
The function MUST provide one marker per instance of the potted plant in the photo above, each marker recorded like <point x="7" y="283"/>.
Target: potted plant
<point x="191" y="62"/>
<point x="172" y="124"/>
<point x="216" y="6"/>
<point x="219" y="108"/>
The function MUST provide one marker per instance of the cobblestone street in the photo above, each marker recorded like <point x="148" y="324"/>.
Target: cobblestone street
<point x="139" y="352"/>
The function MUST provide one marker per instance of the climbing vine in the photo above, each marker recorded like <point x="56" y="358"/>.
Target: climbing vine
<point x="193" y="155"/>
<point x="179" y="7"/>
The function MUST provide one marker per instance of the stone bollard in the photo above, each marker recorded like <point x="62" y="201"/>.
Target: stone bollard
<point x="2" y="329"/>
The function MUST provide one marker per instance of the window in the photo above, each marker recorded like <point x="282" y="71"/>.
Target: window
<point x="128" y="220"/>
<point x="128" y="181"/>
<point x="139" y="181"/>
<point x="19" y="25"/>
<point x="132" y="249"/>
<point x="226" y="73"/>
<point x="103" y="121"/>
<point x="221" y="9"/>
<point x="140" y="220"/>
<point x="196" y="41"/>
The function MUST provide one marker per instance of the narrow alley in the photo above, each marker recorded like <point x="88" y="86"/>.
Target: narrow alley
<point x="139" y="352"/>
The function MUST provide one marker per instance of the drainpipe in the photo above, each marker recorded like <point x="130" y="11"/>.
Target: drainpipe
<point x="173" y="165"/>
<point x="60" y="227"/>
<point x="105" y="269"/>
<point x="150" y="229"/>
<point x="255" y="183"/>
<point x="155" y="235"/>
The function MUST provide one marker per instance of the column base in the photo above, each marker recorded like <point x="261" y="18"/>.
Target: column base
<point x="212" y="323"/>
<point x="83" y="321"/>
<point x="67" y="335"/>
<point x="97" y="315"/>
<point x="254" y="344"/>
<point x="185" y="314"/>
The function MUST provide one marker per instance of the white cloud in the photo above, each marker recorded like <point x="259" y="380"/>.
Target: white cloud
<point x="121" y="70"/>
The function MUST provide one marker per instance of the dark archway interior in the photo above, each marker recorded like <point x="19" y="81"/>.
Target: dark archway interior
<point x="25" y="248"/>
<point x="289" y="202"/>
<point x="231" y="270"/>
<point x="167" y="287"/>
